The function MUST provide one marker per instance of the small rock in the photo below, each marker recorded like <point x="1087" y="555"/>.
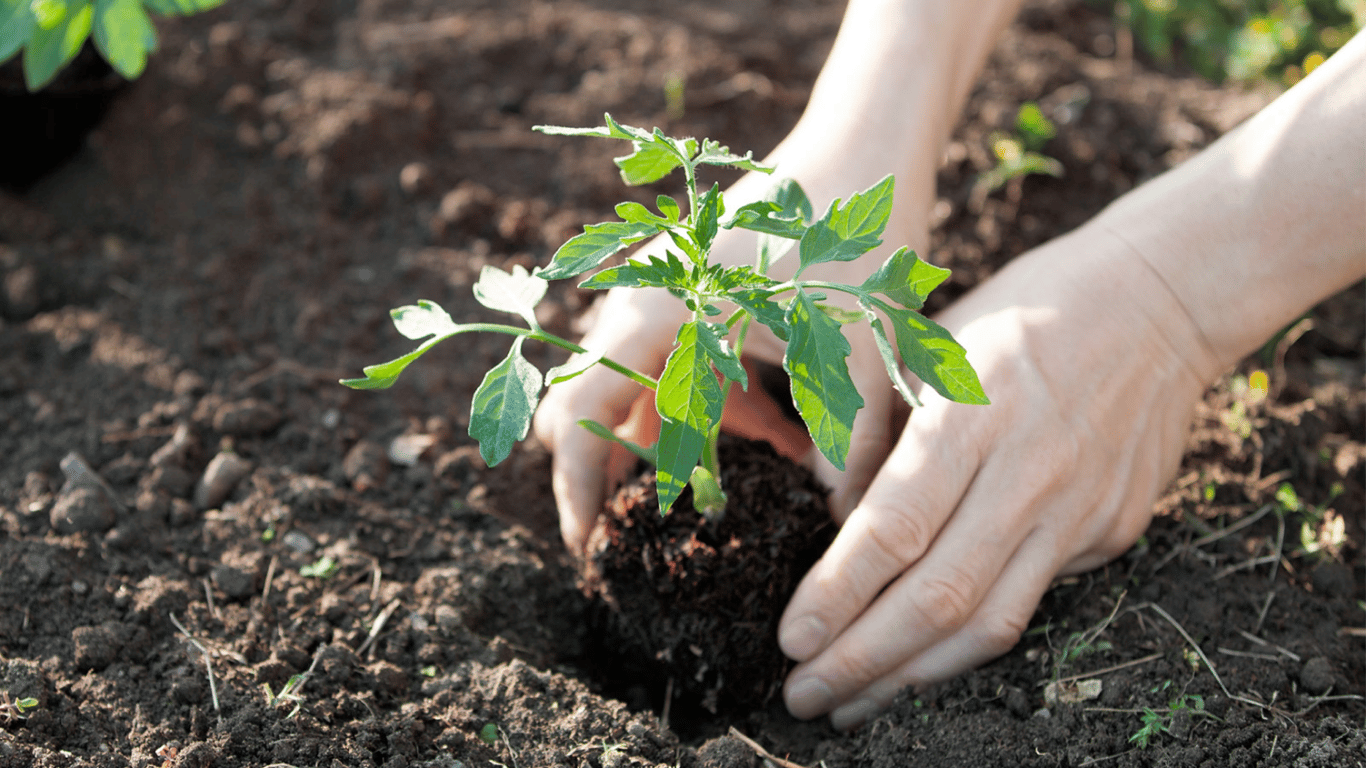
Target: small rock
<point x="365" y="465"/>
<point x="1017" y="701"/>
<point x="416" y="179"/>
<point x="220" y="477"/>
<point x="177" y="449"/>
<point x="297" y="541"/>
<point x="83" y="510"/>
<point x="406" y="450"/>
<point x="448" y="619"/>
<point x="96" y="647"/>
<point x="1317" y="675"/>
<point x="233" y="582"/>
<point x="79" y="474"/>
<point x="172" y="479"/>
<point x="245" y="418"/>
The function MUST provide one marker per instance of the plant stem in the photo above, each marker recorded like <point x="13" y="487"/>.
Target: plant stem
<point x="550" y="338"/>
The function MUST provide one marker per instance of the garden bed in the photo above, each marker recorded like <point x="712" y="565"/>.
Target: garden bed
<point x="227" y="245"/>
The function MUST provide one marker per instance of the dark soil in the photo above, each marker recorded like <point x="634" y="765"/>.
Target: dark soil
<point x="695" y="604"/>
<point x="226" y="244"/>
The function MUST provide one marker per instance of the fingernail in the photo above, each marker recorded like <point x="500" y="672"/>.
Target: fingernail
<point x="809" y="698"/>
<point x="803" y="638"/>
<point x="851" y="716"/>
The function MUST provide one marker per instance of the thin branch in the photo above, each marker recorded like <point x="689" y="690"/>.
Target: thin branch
<point x="1107" y="670"/>
<point x="763" y="754"/>
<point x="378" y="626"/>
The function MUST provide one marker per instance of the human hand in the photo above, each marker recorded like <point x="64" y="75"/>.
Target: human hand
<point x="1093" y="370"/>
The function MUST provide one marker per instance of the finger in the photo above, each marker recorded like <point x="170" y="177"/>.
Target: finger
<point x="942" y="592"/>
<point x="901" y="513"/>
<point x="994" y="629"/>
<point x="754" y="415"/>
<point x="579" y="470"/>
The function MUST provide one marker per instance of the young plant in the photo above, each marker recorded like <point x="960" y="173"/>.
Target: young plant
<point x="1018" y="155"/>
<point x="51" y="32"/>
<point x="724" y="301"/>
<point x="13" y="708"/>
<point x="1157" y="721"/>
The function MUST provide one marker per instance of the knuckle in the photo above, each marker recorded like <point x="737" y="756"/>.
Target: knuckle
<point x="899" y="535"/>
<point x="856" y="665"/>
<point x="1001" y="631"/>
<point x="945" y="602"/>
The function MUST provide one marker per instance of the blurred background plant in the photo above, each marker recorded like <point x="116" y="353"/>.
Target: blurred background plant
<point x="51" y="32"/>
<point x="1243" y="40"/>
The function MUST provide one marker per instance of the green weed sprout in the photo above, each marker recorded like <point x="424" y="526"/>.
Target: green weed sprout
<point x="1019" y="155"/>
<point x="1157" y="721"/>
<point x="289" y="694"/>
<point x="690" y="393"/>
<point x="324" y="568"/>
<point x="51" y="32"/>
<point x="16" y="708"/>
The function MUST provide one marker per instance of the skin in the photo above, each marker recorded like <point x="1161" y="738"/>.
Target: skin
<point x="1094" y="348"/>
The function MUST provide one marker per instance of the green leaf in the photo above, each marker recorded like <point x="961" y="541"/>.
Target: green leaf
<point x="48" y="13"/>
<point x="669" y="207"/>
<point x="905" y="279"/>
<point x="846" y="232"/>
<point x="707" y="219"/>
<point x="637" y="213"/>
<point x="689" y="401"/>
<point x="49" y="50"/>
<point x="597" y="243"/>
<point x="930" y="353"/>
<point x="714" y="154"/>
<point x="124" y="35"/>
<point x="767" y="218"/>
<point x="821" y="388"/>
<point x="504" y="404"/>
<point x="758" y="303"/>
<point x="712" y="338"/>
<point x="516" y="292"/>
<point x="16" y="26"/>
<point x="415" y="322"/>
<point x="181" y="7"/>
<point x="889" y="360"/>
<point x="575" y="366"/>
<point x="422" y="320"/>
<point x="1034" y="126"/>
<point x="650" y="162"/>
<point x="612" y="130"/>
<point x="655" y="273"/>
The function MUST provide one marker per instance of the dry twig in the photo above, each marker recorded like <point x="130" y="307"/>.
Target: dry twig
<point x="763" y="754"/>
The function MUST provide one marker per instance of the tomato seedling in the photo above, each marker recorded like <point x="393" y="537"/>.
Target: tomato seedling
<point x="724" y="301"/>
